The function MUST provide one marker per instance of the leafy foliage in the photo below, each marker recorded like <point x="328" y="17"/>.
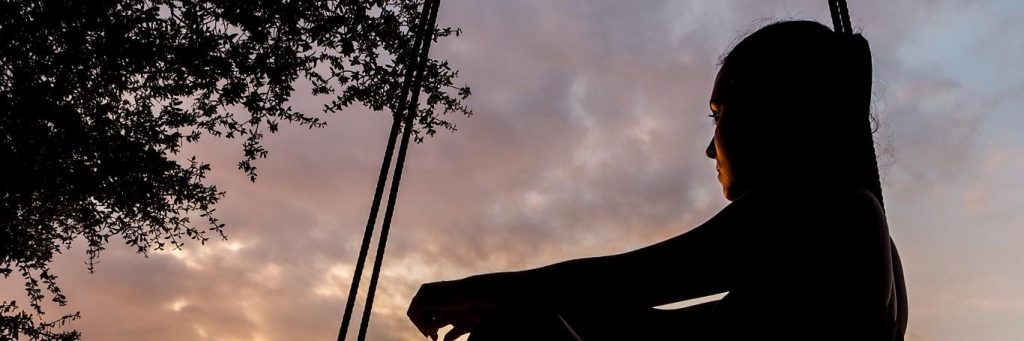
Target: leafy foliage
<point x="97" y="98"/>
<point x="19" y="323"/>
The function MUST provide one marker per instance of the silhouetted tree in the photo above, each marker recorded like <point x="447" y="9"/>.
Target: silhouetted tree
<point x="97" y="98"/>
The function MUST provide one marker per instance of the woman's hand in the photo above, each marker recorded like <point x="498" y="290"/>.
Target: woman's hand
<point x="457" y="303"/>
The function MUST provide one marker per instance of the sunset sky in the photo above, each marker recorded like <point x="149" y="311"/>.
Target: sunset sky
<point x="588" y="139"/>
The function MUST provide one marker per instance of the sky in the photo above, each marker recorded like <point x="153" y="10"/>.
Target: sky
<point x="588" y="139"/>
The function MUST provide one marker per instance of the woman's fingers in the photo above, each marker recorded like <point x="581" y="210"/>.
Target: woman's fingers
<point x="457" y="330"/>
<point x="462" y="321"/>
<point x="427" y="322"/>
<point x="422" y="319"/>
<point x="423" y="314"/>
<point x="440" y="304"/>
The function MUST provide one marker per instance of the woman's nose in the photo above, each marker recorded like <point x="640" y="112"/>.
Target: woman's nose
<point x="710" y="152"/>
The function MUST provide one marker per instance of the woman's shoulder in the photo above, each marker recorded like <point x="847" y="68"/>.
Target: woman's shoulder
<point x="809" y="199"/>
<point x="840" y="211"/>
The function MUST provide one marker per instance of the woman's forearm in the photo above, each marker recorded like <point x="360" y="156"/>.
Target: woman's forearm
<point x="624" y="280"/>
<point x="575" y="283"/>
<point x="676" y="269"/>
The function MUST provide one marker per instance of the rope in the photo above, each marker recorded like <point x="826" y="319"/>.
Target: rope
<point x="857" y="54"/>
<point x="840" y="16"/>
<point x="430" y="7"/>
<point x="409" y="84"/>
<point x="841" y="24"/>
<point x="837" y="24"/>
<point x="845" y="15"/>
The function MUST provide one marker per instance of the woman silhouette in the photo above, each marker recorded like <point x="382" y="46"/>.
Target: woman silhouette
<point x="803" y="249"/>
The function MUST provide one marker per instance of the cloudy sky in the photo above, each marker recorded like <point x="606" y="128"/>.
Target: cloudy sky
<point x="588" y="140"/>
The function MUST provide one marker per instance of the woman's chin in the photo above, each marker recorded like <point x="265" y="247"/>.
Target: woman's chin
<point x="728" y="194"/>
<point x="732" y="192"/>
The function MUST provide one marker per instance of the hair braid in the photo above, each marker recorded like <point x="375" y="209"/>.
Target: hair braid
<point x="858" y="58"/>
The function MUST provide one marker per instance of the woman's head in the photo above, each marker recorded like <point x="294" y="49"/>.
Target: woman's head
<point x="791" y="105"/>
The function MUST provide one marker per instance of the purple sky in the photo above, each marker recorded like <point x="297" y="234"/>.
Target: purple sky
<point x="588" y="140"/>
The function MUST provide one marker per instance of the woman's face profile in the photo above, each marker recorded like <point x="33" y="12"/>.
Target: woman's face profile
<point x="723" y="144"/>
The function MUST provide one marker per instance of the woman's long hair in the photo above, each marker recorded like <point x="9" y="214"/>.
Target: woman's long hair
<point x="808" y="92"/>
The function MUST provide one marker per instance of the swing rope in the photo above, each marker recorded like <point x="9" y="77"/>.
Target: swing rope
<point x="841" y="24"/>
<point x="840" y="16"/>
<point x="857" y="55"/>
<point x="416" y="61"/>
<point x="431" y="6"/>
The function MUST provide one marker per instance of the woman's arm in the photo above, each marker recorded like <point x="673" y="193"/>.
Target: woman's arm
<point x="690" y="265"/>
<point x="696" y="263"/>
